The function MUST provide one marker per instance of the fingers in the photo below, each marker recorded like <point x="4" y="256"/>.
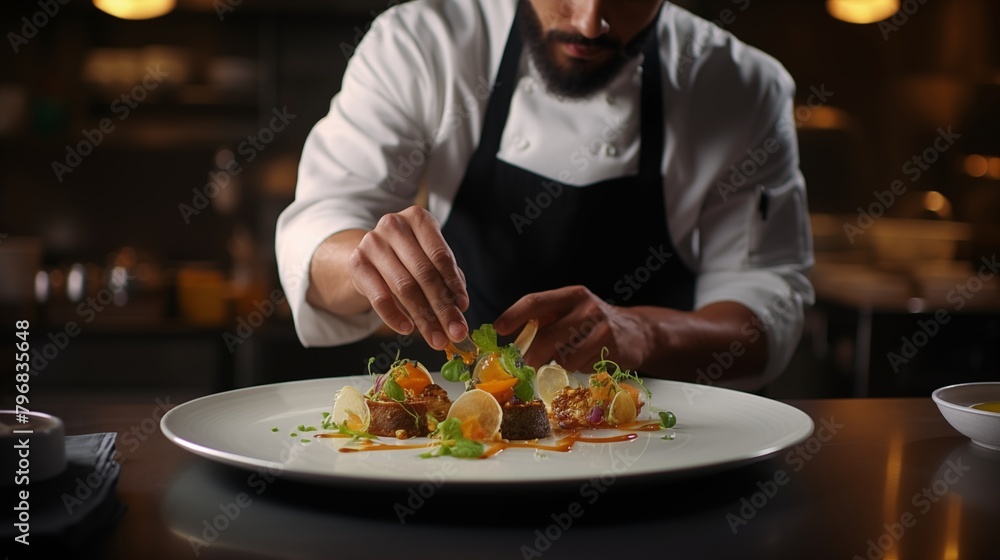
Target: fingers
<point x="544" y="306"/>
<point x="573" y="341"/>
<point x="369" y="268"/>
<point x="581" y="354"/>
<point x="572" y="326"/>
<point x="452" y="298"/>
<point x="408" y="273"/>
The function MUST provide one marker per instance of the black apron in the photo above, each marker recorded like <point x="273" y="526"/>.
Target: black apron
<point x="609" y="236"/>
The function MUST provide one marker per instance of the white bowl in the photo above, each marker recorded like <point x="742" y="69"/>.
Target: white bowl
<point x="45" y="443"/>
<point x="955" y="403"/>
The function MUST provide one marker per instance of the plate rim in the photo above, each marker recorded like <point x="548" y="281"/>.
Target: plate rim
<point x="250" y="463"/>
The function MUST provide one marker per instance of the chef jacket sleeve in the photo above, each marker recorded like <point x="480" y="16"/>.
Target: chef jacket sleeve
<point x="754" y="237"/>
<point x="362" y="160"/>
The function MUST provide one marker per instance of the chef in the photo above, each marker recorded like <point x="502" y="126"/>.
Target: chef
<point x="624" y="172"/>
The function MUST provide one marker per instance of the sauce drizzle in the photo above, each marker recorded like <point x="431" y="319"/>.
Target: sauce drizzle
<point x="562" y="445"/>
<point x="384" y="447"/>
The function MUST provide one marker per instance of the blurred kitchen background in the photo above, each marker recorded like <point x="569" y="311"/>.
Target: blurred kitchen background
<point x="143" y="259"/>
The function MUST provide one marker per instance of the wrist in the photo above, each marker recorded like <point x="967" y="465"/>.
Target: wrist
<point x="663" y="338"/>
<point x="331" y="286"/>
<point x="684" y="343"/>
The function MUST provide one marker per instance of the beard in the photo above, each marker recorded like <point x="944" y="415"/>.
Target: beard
<point x="580" y="78"/>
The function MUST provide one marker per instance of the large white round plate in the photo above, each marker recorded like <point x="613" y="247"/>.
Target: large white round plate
<point x="716" y="428"/>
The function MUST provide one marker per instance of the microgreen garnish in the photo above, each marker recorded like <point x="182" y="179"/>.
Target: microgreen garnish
<point x="306" y="440"/>
<point x="356" y="435"/>
<point x="386" y="384"/>
<point x="453" y="443"/>
<point x="274" y="429"/>
<point x="293" y="434"/>
<point x="329" y="424"/>
<point x="617" y="373"/>
<point x="485" y="338"/>
<point x="304" y="428"/>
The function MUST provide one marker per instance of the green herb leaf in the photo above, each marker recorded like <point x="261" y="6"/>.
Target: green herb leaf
<point x="306" y="440"/>
<point x="293" y="434"/>
<point x="449" y="429"/>
<point x="511" y="360"/>
<point x="393" y="390"/>
<point x="485" y="338"/>
<point x="453" y="443"/>
<point x="467" y="449"/>
<point x="274" y="429"/>
<point x="454" y="369"/>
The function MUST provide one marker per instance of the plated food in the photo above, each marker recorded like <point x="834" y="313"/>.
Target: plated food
<point x="609" y="398"/>
<point x="403" y="402"/>
<point x="500" y="372"/>
<point x="505" y="403"/>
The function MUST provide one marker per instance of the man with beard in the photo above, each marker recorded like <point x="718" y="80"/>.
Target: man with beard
<point x="624" y="172"/>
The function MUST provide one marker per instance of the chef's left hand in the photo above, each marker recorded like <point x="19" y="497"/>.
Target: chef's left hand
<point x="574" y="325"/>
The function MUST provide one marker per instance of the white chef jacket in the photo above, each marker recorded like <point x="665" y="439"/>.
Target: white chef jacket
<point x="411" y="109"/>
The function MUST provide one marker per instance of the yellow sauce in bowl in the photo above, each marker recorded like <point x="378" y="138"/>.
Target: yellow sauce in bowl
<point x="993" y="406"/>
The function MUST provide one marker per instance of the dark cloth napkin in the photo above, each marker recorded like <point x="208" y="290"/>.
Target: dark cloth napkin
<point x="72" y="510"/>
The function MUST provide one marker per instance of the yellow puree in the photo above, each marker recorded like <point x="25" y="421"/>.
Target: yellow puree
<point x="989" y="406"/>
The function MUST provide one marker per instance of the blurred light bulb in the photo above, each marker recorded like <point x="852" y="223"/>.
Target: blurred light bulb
<point x="937" y="203"/>
<point x="934" y="201"/>
<point x="119" y="279"/>
<point x="41" y="286"/>
<point x="994" y="168"/>
<point x="862" y="11"/>
<point x="74" y="283"/>
<point x="136" y="9"/>
<point x="976" y="165"/>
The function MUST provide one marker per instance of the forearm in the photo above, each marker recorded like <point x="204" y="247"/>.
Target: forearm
<point x="330" y="284"/>
<point x="682" y="343"/>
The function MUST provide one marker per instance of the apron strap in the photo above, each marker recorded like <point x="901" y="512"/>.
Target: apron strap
<point x="501" y="95"/>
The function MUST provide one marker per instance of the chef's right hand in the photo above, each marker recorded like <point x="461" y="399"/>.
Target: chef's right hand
<point x="409" y="274"/>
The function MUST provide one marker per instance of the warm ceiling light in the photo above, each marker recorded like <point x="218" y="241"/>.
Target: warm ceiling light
<point x="994" y="168"/>
<point x="136" y="9"/>
<point x="976" y="165"/>
<point x="935" y="201"/>
<point x="862" y="11"/>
